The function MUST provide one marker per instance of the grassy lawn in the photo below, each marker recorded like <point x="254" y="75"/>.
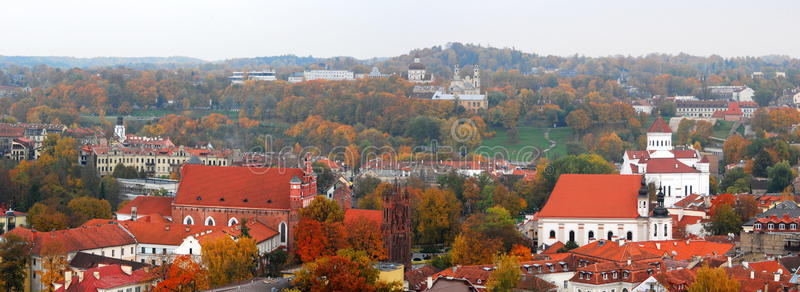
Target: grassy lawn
<point x="722" y="128"/>
<point x="529" y="136"/>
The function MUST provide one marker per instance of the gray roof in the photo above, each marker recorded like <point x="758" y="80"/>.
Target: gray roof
<point x="446" y="96"/>
<point x="786" y="207"/>
<point x="255" y="285"/>
<point x="194" y="160"/>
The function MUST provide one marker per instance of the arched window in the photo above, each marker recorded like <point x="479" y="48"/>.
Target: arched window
<point x="757" y="226"/>
<point x="610" y="235"/>
<point x="188" y="220"/>
<point x="210" y="221"/>
<point x="655" y="229"/>
<point x="793" y="226"/>
<point x="233" y="221"/>
<point x="552" y="234"/>
<point x="572" y="236"/>
<point x="282" y="230"/>
<point x="591" y="234"/>
<point x="781" y="226"/>
<point x="770" y="226"/>
<point x="629" y="235"/>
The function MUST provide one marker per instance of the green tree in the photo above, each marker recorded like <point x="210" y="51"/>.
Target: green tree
<point x="325" y="177"/>
<point x="780" y="176"/>
<point x="14" y="252"/>
<point x="122" y="171"/>
<point x="436" y="216"/>
<point x="762" y="161"/>
<point x="506" y="275"/>
<point x="323" y="210"/>
<point x="735" y="181"/>
<point x="724" y="221"/>
<point x="85" y="208"/>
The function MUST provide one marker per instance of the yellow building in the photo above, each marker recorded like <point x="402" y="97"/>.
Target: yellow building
<point x="390" y="272"/>
<point x="153" y="162"/>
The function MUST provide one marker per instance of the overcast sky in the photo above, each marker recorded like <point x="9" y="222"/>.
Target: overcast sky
<point x="215" y="30"/>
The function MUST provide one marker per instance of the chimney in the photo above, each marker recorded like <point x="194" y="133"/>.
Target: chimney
<point x="729" y="263"/>
<point x="96" y="275"/>
<point x="629" y="261"/>
<point x="658" y="245"/>
<point x="429" y="282"/>
<point x="128" y="270"/>
<point x="746" y="265"/>
<point x="133" y="213"/>
<point x="67" y="279"/>
<point x="777" y="276"/>
<point x="80" y="276"/>
<point x="752" y="274"/>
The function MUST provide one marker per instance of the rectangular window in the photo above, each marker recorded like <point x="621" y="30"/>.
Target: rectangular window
<point x="143" y="250"/>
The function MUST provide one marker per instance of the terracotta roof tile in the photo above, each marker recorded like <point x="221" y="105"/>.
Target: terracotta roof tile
<point x="659" y="126"/>
<point x="685" y="249"/>
<point x="147" y="205"/>
<point x="769" y="266"/>
<point x="231" y="186"/>
<point x="593" y="196"/>
<point x="668" y="165"/>
<point x="109" y="277"/>
<point x="77" y="239"/>
<point x="612" y="251"/>
<point x="373" y="215"/>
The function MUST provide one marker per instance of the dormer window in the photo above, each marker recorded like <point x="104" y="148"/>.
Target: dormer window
<point x="770" y="226"/>
<point x="625" y="274"/>
<point x="781" y="226"/>
<point x="605" y="276"/>
<point x="793" y="226"/>
<point x="614" y="274"/>
<point x="580" y="276"/>
<point x="757" y="226"/>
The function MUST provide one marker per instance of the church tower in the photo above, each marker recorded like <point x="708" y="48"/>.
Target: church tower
<point x="659" y="136"/>
<point x="456" y="73"/>
<point x="396" y="227"/>
<point x="119" y="130"/>
<point x="660" y="221"/>
<point x="476" y="77"/>
<point x="643" y="204"/>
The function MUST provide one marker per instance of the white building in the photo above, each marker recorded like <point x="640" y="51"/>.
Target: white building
<point x="732" y="93"/>
<point x="417" y="74"/>
<point x="586" y="207"/>
<point x="241" y="77"/>
<point x="680" y="172"/>
<point x="334" y="75"/>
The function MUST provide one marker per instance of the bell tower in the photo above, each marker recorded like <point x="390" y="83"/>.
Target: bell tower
<point x="476" y="77"/>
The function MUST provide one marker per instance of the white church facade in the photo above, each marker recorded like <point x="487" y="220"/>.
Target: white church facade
<point x="680" y="172"/>
<point x="584" y="208"/>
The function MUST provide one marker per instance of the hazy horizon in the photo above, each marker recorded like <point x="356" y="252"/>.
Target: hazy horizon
<point x="216" y="31"/>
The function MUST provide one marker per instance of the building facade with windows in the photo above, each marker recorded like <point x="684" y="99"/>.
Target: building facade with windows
<point x="680" y="172"/>
<point x="584" y="208"/>
<point x="333" y="75"/>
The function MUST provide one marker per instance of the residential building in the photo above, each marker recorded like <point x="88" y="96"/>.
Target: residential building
<point x="22" y="149"/>
<point x="162" y="162"/>
<point x="10" y="219"/>
<point x="470" y="102"/>
<point x="111" y="278"/>
<point x="586" y="207"/>
<point x="731" y="93"/>
<point x="773" y="232"/>
<point x="333" y="75"/>
<point x="376" y="73"/>
<point x="699" y="108"/>
<point x="643" y="106"/>
<point x="679" y="172"/>
<point x="34" y="133"/>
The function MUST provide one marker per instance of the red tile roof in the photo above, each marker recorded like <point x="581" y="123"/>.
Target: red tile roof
<point x="243" y="187"/>
<point x="693" y="201"/>
<point x="685" y="249"/>
<point x="417" y="279"/>
<point x="373" y="215"/>
<point x="77" y="239"/>
<point x="659" y="126"/>
<point x="593" y="196"/>
<point x="147" y="205"/>
<point x="769" y="266"/>
<point x="553" y="248"/>
<point x="612" y="251"/>
<point x="108" y="277"/>
<point x="157" y="233"/>
<point x="677" y="280"/>
<point x="11" y="131"/>
<point x="474" y="274"/>
<point x="668" y="165"/>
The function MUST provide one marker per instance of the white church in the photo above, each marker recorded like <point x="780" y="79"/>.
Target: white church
<point x="587" y="207"/>
<point x="680" y="172"/>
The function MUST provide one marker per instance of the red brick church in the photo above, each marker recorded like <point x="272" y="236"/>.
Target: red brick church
<point x="219" y="195"/>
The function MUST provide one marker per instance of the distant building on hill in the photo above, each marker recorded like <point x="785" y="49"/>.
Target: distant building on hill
<point x="241" y="77"/>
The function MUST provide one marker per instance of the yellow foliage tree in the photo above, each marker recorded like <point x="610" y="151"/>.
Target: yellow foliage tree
<point x="54" y="263"/>
<point x="229" y="260"/>
<point x="713" y="280"/>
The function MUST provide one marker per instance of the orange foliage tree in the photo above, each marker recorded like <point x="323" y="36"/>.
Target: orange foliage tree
<point x="183" y="275"/>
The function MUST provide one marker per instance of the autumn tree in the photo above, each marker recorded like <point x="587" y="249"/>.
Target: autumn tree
<point x="509" y="200"/>
<point x="85" y="208"/>
<point x="311" y="242"/>
<point x="436" y="216"/>
<point x="229" y="260"/>
<point x="184" y="275"/>
<point x="45" y="218"/>
<point x="747" y="207"/>
<point x="474" y="249"/>
<point x="54" y="263"/>
<point x="323" y="210"/>
<point x="523" y="253"/>
<point x="610" y="147"/>
<point x="579" y="120"/>
<point x="348" y="270"/>
<point x="374" y="200"/>
<point x="713" y="280"/>
<point x="14" y="252"/>
<point x="365" y="235"/>
<point x="735" y="148"/>
<point x="506" y="274"/>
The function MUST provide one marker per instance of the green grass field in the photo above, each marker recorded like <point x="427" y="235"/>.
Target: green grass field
<point x="722" y="128"/>
<point x="529" y="136"/>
